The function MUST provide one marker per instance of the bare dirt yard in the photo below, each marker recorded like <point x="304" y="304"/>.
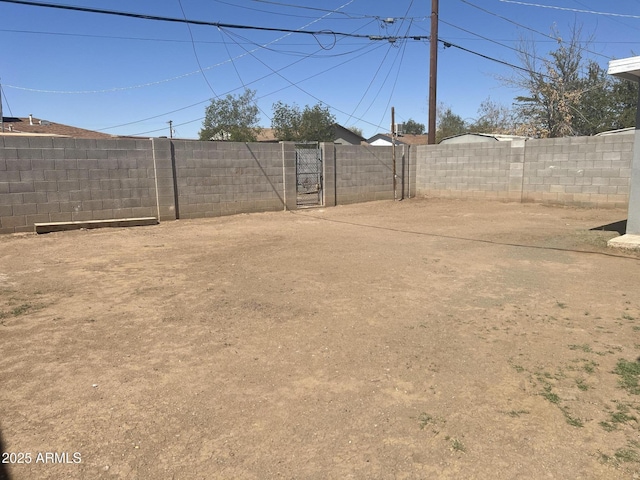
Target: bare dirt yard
<point x="413" y="340"/>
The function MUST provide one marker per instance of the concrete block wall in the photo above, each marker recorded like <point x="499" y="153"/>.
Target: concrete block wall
<point x="472" y="170"/>
<point x="224" y="178"/>
<point x="587" y="171"/>
<point x="365" y="173"/>
<point x="64" y="179"/>
<point x="582" y="171"/>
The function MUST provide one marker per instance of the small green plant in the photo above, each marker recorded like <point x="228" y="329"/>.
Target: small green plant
<point x="589" y="366"/>
<point x="573" y="421"/>
<point x="608" y="427"/>
<point x="424" y="419"/>
<point x="627" y="455"/>
<point x="626" y="316"/>
<point x="517" y="413"/>
<point x="585" y="348"/>
<point x="581" y="385"/>
<point x="628" y="372"/>
<point x="21" y="309"/>
<point x="457" y="445"/>
<point x="549" y="395"/>
<point x="561" y="304"/>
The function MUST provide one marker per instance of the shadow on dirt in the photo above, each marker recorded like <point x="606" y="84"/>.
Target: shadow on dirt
<point x="620" y="227"/>
<point x="4" y="473"/>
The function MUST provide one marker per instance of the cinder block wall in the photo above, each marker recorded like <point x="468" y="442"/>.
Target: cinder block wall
<point x="220" y="178"/>
<point x="62" y="179"/>
<point x="65" y="179"/>
<point x="365" y="173"/>
<point x="466" y="170"/>
<point x="583" y="171"/>
<point x="587" y="171"/>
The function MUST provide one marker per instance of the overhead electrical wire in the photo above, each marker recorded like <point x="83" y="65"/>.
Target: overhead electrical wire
<point x="372" y="47"/>
<point x="4" y="97"/>
<point x="224" y="26"/>
<point x="249" y="83"/>
<point x="574" y="10"/>
<point x="195" y="52"/>
<point x="559" y="40"/>
<point x="399" y="56"/>
<point x="201" y="22"/>
<point x="178" y="77"/>
<point x="304" y="26"/>
<point x="351" y="16"/>
<point x="395" y="83"/>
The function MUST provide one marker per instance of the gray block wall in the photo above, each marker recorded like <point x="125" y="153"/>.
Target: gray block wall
<point x="224" y="178"/>
<point x="587" y="171"/>
<point x="365" y="173"/>
<point x="582" y="171"/>
<point x="480" y="170"/>
<point x="65" y="179"/>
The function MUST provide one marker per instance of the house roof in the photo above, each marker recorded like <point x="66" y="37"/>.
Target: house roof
<point x="481" y="137"/>
<point x="401" y="139"/>
<point x="627" y="68"/>
<point x="269" y="134"/>
<point x="40" y="127"/>
<point x="620" y="131"/>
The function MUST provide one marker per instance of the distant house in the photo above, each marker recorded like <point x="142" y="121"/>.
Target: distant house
<point x="621" y="131"/>
<point x="341" y="136"/>
<point x="17" y="126"/>
<point x="344" y="136"/>
<point x="480" y="138"/>
<point x="384" y="140"/>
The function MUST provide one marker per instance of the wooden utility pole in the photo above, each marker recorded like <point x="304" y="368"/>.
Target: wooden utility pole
<point x="170" y="122"/>
<point x="433" y="72"/>
<point x="393" y="151"/>
<point x="1" y="119"/>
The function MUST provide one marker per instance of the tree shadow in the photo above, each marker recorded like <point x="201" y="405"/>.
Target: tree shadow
<point x="620" y="227"/>
<point x="4" y="473"/>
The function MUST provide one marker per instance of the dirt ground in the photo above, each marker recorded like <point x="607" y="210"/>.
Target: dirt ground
<point x="389" y="340"/>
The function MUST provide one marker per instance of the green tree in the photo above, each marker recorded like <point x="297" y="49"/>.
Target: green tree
<point x="411" y="127"/>
<point x="313" y="124"/>
<point x="493" y="118"/>
<point x="449" y="124"/>
<point x="568" y="94"/>
<point x="356" y="130"/>
<point x="625" y="100"/>
<point x="232" y="118"/>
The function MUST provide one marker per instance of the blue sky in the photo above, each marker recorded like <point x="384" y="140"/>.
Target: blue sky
<point x="130" y="76"/>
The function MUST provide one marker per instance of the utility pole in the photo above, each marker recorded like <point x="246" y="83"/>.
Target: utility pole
<point x="393" y="150"/>
<point x="433" y="72"/>
<point x="1" y="119"/>
<point x="170" y="122"/>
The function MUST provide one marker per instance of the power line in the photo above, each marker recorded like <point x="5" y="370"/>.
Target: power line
<point x="480" y="36"/>
<point x="259" y="98"/>
<point x="205" y="23"/>
<point x="4" y="96"/>
<point x="559" y="40"/>
<point x="567" y="9"/>
<point x="487" y="57"/>
<point x="351" y="16"/>
<point x="195" y="52"/>
<point x="178" y="77"/>
<point x="232" y="90"/>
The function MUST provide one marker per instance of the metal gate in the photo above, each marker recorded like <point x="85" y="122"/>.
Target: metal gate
<point x="308" y="175"/>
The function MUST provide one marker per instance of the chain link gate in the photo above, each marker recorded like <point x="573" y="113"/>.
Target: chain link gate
<point x="308" y="175"/>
